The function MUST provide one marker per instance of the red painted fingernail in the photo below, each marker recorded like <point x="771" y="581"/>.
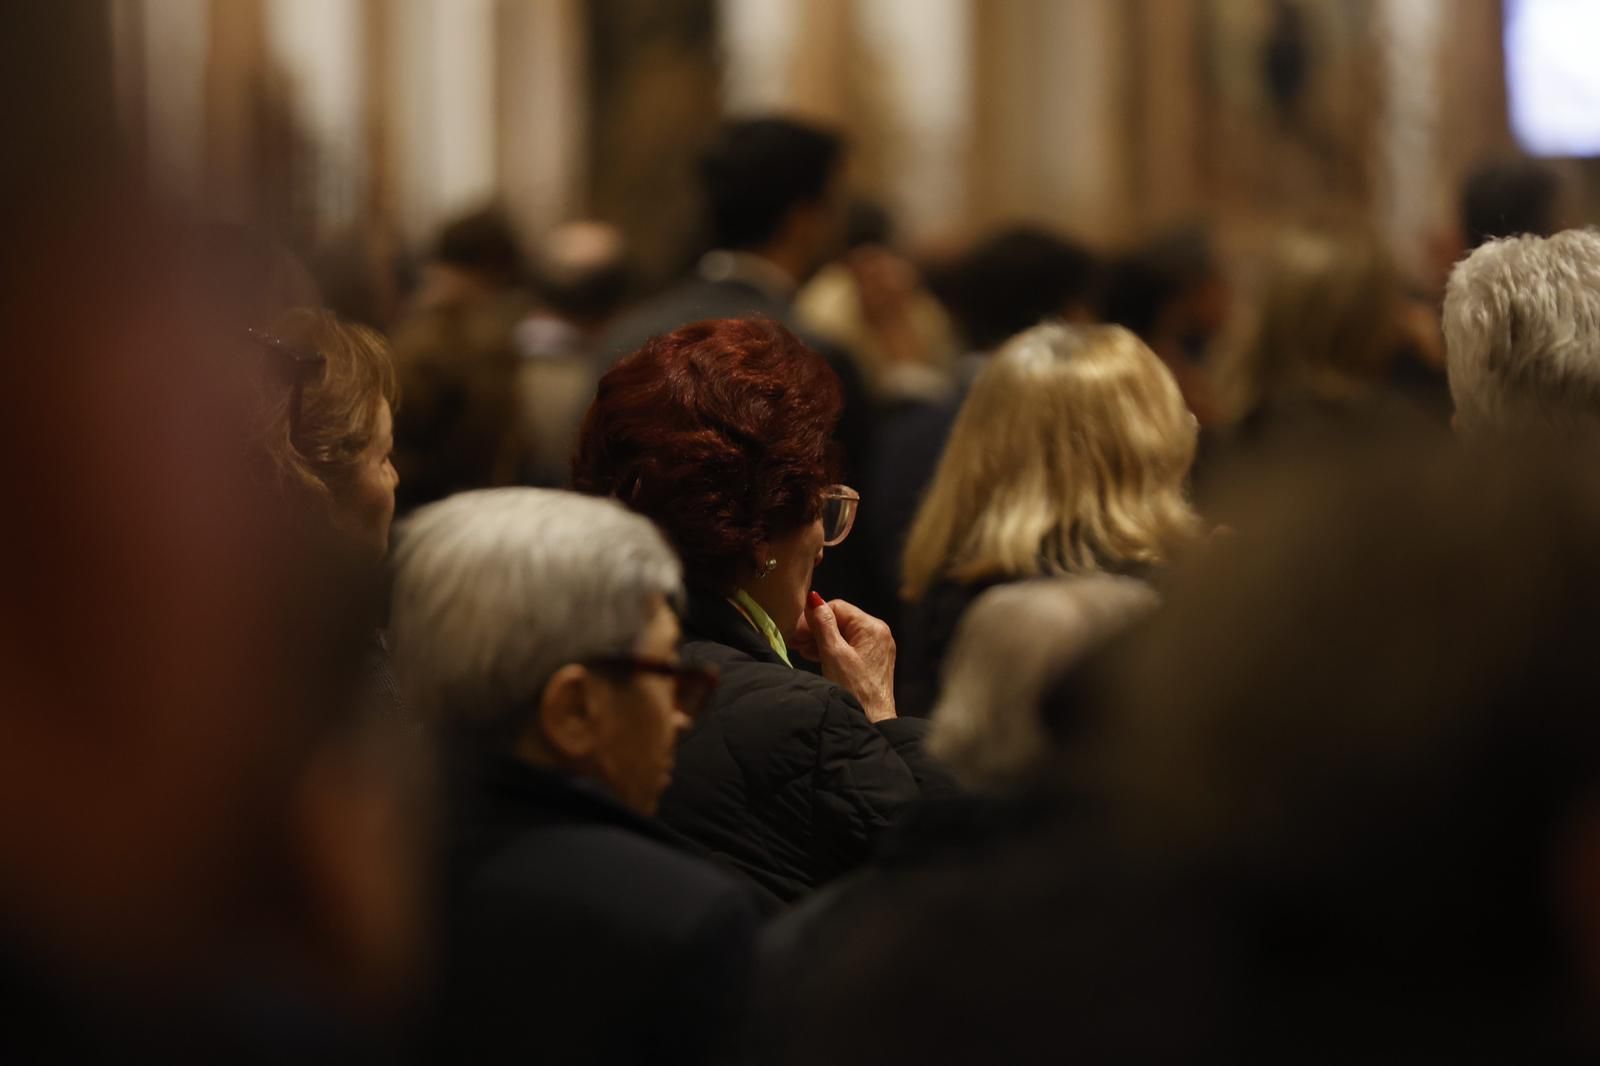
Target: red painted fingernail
<point x="815" y="599"/>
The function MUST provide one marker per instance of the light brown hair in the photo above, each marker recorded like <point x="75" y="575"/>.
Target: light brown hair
<point x="1328" y="325"/>
<point x="338" y="407"/>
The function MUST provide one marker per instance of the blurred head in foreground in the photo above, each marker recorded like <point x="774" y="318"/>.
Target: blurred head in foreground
<point x="172" y="664"/>
<point x="1372" y="731"/>
<point x="1070" y="455"/>
<point x="541" y="624"/>
<point x="1342" y="805"/>
<point x="1522" y="333"/>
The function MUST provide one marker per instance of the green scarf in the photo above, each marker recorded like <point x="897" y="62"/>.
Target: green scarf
<point x="764" y="624"/>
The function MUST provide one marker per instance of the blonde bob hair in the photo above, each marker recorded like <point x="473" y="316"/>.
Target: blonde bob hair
<point x="1068" y="457"/>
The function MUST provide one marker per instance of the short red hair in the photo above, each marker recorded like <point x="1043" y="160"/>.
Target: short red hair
<point x="720" y="433"/>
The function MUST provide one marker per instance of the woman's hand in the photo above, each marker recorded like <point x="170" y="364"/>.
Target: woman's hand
<point x="855" y="649"/>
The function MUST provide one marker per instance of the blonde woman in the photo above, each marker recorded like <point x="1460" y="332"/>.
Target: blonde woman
<point x="1070" y="456"/>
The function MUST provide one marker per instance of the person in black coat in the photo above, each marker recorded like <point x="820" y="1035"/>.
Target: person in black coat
<point x="719" y="432"/>
<point x="537" y="629"/>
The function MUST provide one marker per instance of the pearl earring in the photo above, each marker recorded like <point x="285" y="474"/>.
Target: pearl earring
<point x="772" y="564"/>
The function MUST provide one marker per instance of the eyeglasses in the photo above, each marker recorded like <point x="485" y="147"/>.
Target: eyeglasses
<point x="692" y="683"/>
<point x="298" y="365"/>
<point x="839" y="504"/>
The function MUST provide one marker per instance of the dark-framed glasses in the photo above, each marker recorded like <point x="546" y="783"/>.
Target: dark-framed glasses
<point x="839" y="505"/>
<point x="298" y="366"/>
<point x="692" y="683"/>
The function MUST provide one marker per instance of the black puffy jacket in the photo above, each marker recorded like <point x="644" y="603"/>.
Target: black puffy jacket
<point x="783" y="776"/>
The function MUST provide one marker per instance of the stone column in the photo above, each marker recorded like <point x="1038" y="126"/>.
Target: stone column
<point x="1051" y="131"/>
<point x="542" y="110"/>
<point x="654" y="102"/>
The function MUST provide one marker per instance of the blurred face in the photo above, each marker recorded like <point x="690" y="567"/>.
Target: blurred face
<point x="818" y="229"/>
<point x="782" y="592"/>
<point x="637" y="721"/>
<point x="370" y="507"/>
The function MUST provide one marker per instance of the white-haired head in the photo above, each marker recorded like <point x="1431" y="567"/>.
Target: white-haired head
<point x="1011" y="643"/>
<point x="1522" y="334"/>
<point x="496" y="590"/>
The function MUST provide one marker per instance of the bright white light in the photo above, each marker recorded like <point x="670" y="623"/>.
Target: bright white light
<point x="1552" y="76"/>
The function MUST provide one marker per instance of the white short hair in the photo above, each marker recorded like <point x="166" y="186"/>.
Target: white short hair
<point x="1011" y="643"/>
<point x="496" y="590"/>
<point x="1522" y="334"/>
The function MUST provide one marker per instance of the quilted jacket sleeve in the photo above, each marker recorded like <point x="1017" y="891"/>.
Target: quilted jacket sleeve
<point x="861" y="784"/>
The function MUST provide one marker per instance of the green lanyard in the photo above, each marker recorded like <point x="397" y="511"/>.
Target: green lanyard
<point x="747" y="606"/>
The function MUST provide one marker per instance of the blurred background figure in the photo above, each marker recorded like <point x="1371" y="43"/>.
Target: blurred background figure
<point x="1328" y="329"/>
<point x="774" y="200"/>
<point x="872" y="303"/>
<point x="1172" y="292"/>
<point x="1071" y="455"/>
<point x="1321" y="355"/>
<point x="1512" y="198"/>
<point x="581" y="281"/>
<point x="540" y="636"/>
<point x="1010" y="281"/>
<point x="459" y="364"/>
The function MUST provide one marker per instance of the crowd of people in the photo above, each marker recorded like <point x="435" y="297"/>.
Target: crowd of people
<point x="1027" y="654"/>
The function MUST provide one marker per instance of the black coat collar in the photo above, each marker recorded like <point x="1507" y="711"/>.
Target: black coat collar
<point x="520" y="790"/>
<point x="712" y="618"/>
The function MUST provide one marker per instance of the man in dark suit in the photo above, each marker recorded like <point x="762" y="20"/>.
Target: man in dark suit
<point x="537" y="629"/>
<point x="775" y="203"/>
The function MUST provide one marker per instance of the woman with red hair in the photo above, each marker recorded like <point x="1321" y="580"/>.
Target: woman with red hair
<point x="720" y="433"/>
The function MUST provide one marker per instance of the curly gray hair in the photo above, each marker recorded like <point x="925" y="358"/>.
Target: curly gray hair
<point x="1522" y="333"/>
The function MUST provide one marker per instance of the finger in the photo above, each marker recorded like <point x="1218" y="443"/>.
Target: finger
<point x="824" y="627"/>
<point x="852" y="620"/>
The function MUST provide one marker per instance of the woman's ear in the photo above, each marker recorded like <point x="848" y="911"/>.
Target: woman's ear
<point x="754" y="566"/>
<point x="564" y="722"/>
